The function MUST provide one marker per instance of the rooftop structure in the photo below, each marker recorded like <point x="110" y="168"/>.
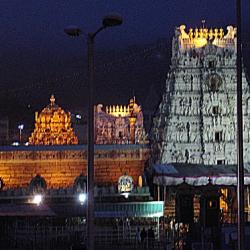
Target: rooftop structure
<point x="197" y="38"/>
<point x="120" y="124"/>
<point x="53" y="126"/>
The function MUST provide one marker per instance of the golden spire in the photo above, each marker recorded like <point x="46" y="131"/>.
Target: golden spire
<point x="196" y="33"/>
<point x="191" y="33"/>
<point x="211" y="34"/>
<point x="203" y="23"/>
<point x="200" y="33"/>
<point x="221" y="34"/>
<point x="52" y="100"/>
<point x="215" y="33"/>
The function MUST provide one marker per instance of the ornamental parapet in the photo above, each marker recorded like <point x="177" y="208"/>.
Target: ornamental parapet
<point x="200" y="37"/>
<point x="72" y="152"/>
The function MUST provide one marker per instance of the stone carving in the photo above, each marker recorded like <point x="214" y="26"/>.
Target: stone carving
<point x="53" y="126"/>
<point x="201" y="103"/>
<point x="231" y="32"/>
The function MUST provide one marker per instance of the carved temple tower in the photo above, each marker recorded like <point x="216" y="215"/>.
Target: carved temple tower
<point x="196" y="119"/>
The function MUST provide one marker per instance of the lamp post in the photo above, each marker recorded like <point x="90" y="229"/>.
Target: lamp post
<point x="20" y="127"/>
<point x="108" y="21"/>
<point x="240" y="165"/>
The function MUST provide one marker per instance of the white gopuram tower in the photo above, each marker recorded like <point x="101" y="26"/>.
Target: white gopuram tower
<point x="196" y="120"/>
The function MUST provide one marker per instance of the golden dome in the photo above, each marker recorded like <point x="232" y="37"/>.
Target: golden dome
<point x="53" y="126"/>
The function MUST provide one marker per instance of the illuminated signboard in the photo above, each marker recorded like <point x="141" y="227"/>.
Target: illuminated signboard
<point x="125" y="184"/>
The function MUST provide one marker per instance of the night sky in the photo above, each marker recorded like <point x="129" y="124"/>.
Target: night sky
<point x="38" y="59"/>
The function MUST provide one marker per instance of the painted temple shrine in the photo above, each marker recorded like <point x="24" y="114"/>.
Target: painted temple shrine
<point x="120" y="124"/>
<point x="53" y="126"/>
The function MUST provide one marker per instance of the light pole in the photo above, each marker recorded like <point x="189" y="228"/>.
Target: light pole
<point x="20" y="127"/>
<point x="240" y="165"/>
<point x="108" y="21"/>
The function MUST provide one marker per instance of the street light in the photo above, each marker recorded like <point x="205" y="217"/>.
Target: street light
<point x="20" y="127"/>
<point x="82" y="198"/>
<point x="240" y="159"/>
<point x="37" y="199"/>
<point x="108" y="21"/>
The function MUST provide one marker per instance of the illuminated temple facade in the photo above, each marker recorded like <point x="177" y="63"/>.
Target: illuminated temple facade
<point x="196" y="119"/>
<point x="57" y="173"/>
<point x="120" y="124"/>
<point x="193" y="139"/>
<point x="116" y="125"/>
<point x="53" y="127"/>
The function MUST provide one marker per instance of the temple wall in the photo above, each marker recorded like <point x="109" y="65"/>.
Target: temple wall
<point x="60" y="165"/>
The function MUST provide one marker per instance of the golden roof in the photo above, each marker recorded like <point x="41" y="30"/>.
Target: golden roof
<point x="53" y="126"/>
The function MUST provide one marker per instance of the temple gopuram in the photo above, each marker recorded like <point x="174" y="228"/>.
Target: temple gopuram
<point x="53" y="127"/>
<point x="194" y="149"/>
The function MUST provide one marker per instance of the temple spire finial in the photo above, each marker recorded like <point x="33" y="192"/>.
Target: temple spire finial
<point x="203" y="23"/>
<point x="52" y="100"/>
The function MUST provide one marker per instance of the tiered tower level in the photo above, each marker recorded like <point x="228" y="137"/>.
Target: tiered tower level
<point x="196" y="119"/>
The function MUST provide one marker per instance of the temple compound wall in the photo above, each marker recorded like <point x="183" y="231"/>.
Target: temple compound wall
<point x="60" y="165"/>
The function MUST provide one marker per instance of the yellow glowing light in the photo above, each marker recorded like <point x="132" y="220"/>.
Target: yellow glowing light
<point x="200" y="42"/>
<point x="118" y="111"/>
<point x="53" y="126"/>
<point x="197" y="38"/>
<point x="140" y="181"/>
<point x="223" y="203"/>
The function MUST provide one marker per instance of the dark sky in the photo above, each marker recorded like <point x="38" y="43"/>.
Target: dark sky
<point x="37" y="55"/>
<point x="38" y="24"/>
